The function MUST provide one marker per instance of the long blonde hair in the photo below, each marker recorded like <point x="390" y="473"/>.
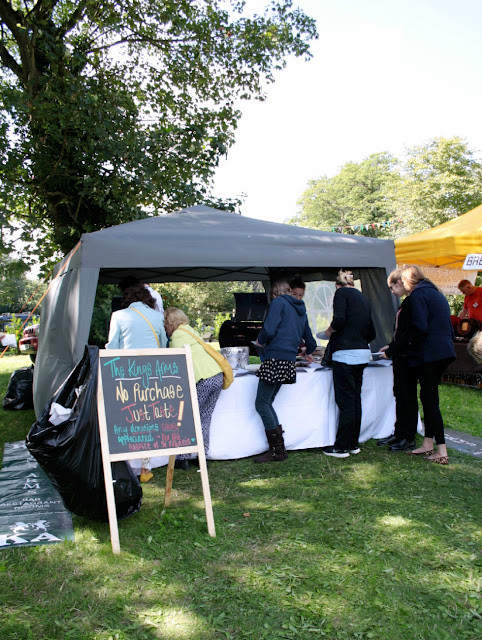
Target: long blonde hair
<point x="175" y="317"/>
<point x="344" y="278"/>
<point x="281" y="287"/>
<point x="394" y="277"/>
<point x="411" y="275"/>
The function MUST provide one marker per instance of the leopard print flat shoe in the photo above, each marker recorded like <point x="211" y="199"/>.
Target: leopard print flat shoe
<point x="441" y="460"/>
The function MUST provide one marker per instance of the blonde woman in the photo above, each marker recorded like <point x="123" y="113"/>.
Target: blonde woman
<point x="430" y="350"/>
<point x="350" y="332"/>
<point x="207" y="372"/>
<point x="404" y="386"/>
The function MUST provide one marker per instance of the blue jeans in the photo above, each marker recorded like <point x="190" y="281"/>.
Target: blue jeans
<point x="264" y="403"/>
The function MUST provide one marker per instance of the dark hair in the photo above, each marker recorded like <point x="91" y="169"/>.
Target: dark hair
<point x="297" y="283"/>
<point x="463" y="283"/>
<point x="127" y="282"/>
<point x="137" y="293"/>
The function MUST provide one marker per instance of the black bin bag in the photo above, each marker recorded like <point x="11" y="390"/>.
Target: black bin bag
<point x="70" y="453"/>
<point x="19" y="391"/>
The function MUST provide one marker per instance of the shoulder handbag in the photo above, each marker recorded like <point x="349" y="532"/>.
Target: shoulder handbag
<point x="226" y="368"/>
<point x="155" y="334"/>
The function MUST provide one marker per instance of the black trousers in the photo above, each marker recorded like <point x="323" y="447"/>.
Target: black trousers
<point x="347" y="383"/>
<point x="429" y="375"/>
<point x="406" y="401"/>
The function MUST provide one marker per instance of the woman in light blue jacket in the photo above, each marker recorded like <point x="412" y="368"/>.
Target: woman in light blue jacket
<point x="137" y="326"/>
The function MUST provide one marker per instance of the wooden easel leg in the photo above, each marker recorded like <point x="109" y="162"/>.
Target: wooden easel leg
<point x="169" y="476"/>
<point x="206" y="493"/>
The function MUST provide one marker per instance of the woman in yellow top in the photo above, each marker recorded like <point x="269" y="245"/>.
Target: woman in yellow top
<point x="207" y="372"/>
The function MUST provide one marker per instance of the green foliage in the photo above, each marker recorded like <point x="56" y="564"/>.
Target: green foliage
<point x="380" y="546"/>
<point x="434" y="183"/>
<point x="356" y="197"/>
<point x="17" y="326"/>
<point x="218" y="321"/>
<point x="440" y="181"/>
<point x="206" y="304"/>
<point x="198" y="325"/>
<point x="99" y="327"/>
<point x="204" y="300"/>
<point x="112" y="111"/>
<point x="16" y="290"/>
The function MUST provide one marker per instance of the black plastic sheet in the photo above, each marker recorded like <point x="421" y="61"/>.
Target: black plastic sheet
<point x="70" y="453"/>
<point x="19" y="393"/>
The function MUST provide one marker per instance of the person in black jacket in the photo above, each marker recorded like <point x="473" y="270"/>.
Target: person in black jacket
<point x="404" y="385"/>
<point x="350" y="331"/>
<point x="430" y="350"/>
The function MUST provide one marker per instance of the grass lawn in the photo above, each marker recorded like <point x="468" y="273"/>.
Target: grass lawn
<point x="378" y="546"/>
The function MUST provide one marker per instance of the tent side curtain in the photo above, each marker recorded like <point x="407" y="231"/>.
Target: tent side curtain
<point x="64" y="330"/>
<point x="374" y="286"/>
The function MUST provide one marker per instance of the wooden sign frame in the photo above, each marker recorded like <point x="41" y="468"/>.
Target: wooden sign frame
<point x="110" y="356"/>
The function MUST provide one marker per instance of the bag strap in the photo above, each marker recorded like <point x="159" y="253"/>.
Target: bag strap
<point x="194" y="336"/>
<point x="155" y="334"/>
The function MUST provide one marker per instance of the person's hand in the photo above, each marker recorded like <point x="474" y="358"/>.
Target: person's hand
<point x="259" y="346"/>
<point x="329" y="331"/>
<point x="384" y="348"/>
<point x="309" y="359"/>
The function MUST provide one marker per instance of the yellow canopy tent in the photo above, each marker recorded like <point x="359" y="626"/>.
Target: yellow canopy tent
<point x="445" y="245"/>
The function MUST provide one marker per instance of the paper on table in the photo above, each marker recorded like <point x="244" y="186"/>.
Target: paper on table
<point x="322" y="335"/>
<point x="309" y="368"/>
<point x="9" y="340"/>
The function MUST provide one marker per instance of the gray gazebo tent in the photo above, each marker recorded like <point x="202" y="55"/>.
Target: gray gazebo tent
<point x="194" y="245"/>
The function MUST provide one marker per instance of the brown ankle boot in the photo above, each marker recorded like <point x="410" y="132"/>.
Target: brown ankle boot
<point x="276" y="451"/>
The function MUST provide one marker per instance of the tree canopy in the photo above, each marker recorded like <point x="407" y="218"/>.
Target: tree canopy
<point x="111" y="110"/>
<point x="354" y="199"/>
<point x="387" y="197"/>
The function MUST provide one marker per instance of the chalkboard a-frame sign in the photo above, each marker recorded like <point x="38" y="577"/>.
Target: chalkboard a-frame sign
<point x="147" y="405"/>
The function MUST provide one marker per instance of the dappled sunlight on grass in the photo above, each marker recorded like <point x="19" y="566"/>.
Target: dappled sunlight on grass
<point x="394" y="522"/>
<point x="379" y="546"/>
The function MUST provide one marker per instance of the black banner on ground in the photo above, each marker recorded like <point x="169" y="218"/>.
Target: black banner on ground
<point x="31" y="509"/>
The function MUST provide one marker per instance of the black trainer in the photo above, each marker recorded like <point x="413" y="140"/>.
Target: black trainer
<point x="403" y="445"/>
<point x="336" y="453"/>
<point x="390" y="440"/>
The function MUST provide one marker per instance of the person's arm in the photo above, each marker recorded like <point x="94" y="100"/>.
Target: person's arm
<point x="419" y="313"/>
<point x="310" y="342"/>
<point x="464" y="313"/>
<point x="114" y="334"/>
<point x="339" y="312"/>
<point x="371" y="330"/>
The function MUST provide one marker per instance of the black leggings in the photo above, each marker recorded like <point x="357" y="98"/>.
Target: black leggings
<point x="429" y="375"/>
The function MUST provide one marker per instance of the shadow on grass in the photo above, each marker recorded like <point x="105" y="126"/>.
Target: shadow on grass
<point x="377" y="546"/>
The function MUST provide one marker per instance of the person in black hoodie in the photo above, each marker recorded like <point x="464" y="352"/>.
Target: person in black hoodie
<point x="404" y="385"/>
<point x="350" y="331"/>
<point x="286" y="325"/>
<point x="430" y="351"/>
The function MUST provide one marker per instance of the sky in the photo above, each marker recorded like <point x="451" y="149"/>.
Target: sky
<point x="385" y="76"/>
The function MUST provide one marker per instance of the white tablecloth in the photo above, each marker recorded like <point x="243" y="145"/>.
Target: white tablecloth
<point x="307" y="411"/>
